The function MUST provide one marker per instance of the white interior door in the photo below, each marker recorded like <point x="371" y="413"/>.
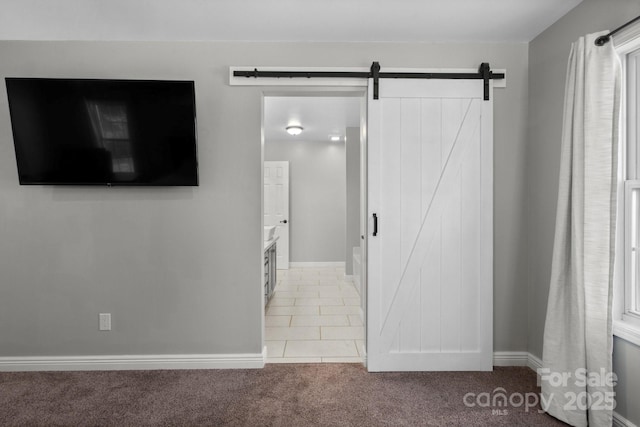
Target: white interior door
<point x="276" y="207"/>
<point x="430" y="178"/>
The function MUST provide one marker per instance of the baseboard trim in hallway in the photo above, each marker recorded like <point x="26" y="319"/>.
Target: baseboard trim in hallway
<point x="316" y="264"/>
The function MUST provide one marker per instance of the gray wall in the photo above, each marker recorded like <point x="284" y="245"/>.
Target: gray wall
<point x="352" y="237"/>
<point x="548" y="56"/>
<point x="317" y="182"/>
<point x="626" y="364"/>
<point x="180" y="268"/>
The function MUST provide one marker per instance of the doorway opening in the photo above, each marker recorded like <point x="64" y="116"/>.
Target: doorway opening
<point x="313" y="208"/>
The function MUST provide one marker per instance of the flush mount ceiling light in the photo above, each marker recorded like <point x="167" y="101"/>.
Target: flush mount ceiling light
<point x="294" y="130"/>
<point x="334" y="138"/>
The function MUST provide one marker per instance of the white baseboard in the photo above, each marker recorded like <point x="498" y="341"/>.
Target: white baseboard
<point x="620" y="421"/>
<point x="534" y="362"/>
<point x="516" y="358"/>
<point x="189" y="361"/>
<point x="142" y="362"/>
<point x="316" y="264"/>
<point x="510" y="358"/>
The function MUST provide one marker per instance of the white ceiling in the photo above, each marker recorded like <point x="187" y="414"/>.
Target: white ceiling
<point x="281" y="20"/>
<point x="320" y="117"/>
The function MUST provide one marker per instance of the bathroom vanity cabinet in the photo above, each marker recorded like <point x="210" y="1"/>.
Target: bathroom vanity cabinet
<point x="269" y="268"/>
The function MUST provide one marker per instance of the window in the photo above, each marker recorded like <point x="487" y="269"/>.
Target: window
<point x="631" y="311"/>
<point x="631" y="196"/>
<point x="627" y="282"/>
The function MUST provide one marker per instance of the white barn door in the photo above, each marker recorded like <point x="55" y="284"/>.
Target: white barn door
<point x="430" y="275"/>
<point x="276" y="207"/>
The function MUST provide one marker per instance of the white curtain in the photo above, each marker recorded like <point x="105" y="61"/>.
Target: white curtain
<point x="578" y="340"/>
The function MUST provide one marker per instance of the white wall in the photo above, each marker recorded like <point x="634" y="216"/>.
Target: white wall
<point x="317" y="196"/>
<point x="179" y="269"/>
<point x="548" y="57"/>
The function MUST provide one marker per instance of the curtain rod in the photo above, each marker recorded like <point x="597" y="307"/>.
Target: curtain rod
<point x="602" y="40"/>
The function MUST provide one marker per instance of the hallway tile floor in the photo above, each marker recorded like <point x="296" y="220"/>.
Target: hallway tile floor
<point x="314" y="316"/>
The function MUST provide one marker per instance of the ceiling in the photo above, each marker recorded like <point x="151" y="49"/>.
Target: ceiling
<point x="281" y="20"/>
<point x="321" y="117"/>
<point x="504" y="21"/>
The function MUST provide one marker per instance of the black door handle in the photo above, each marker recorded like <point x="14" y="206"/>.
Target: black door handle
<point x="284" y="221"/>
<point x="375" y="225"/>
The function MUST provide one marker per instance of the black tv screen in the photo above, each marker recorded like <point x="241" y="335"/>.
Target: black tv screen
<point x="104" y="132"/>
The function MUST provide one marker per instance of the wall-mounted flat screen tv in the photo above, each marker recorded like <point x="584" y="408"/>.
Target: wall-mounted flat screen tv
<point x="104" y="132"/>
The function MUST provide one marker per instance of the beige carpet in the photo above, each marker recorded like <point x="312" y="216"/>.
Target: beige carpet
<point x="278" y="395"/>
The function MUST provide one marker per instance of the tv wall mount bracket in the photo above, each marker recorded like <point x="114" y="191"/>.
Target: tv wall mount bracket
<point x="484" y="73"/>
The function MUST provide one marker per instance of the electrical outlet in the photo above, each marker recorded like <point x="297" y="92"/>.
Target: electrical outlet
<point x="105" y="321"/>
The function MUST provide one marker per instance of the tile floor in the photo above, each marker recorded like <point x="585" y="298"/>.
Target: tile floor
<point x="314" y="316"/>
